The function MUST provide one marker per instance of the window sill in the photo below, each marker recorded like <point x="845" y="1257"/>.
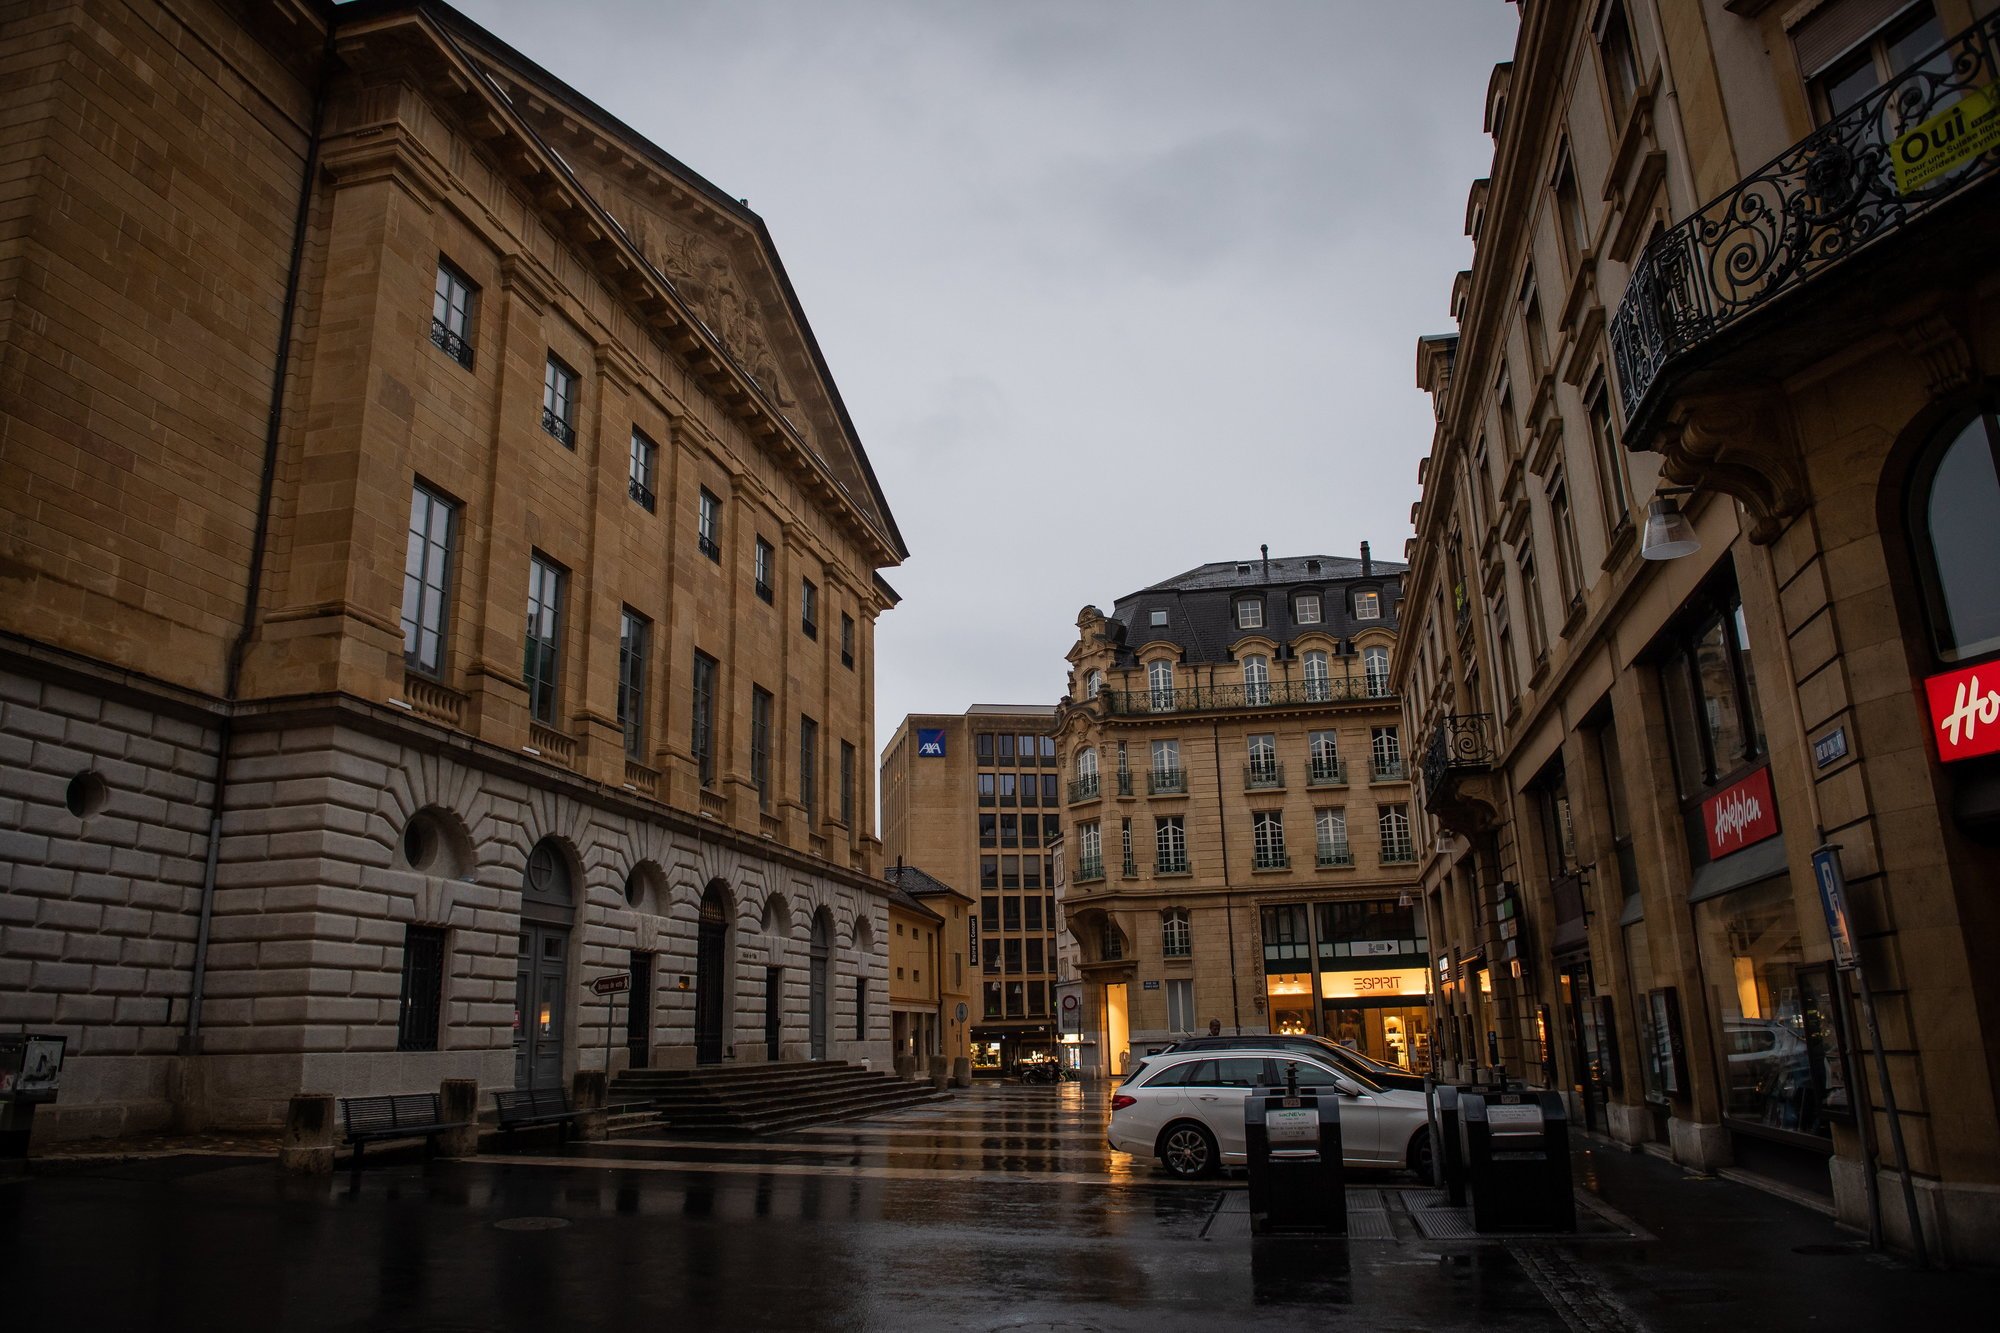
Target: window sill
<point x="1573" y="621"/>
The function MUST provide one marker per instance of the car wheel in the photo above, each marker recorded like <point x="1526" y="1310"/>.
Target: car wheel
<point x="1188" y="1151"/>
<point x="1422" y="1158"/>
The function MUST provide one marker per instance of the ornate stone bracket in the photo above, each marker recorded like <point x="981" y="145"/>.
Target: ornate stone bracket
<point x="1744" y="444"/>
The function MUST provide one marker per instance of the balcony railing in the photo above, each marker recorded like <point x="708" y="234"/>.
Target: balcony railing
<point x="1166" y="782"/>
<point x="1398" y="853"/>
<point x="1274" y="694"/>
<point x="1461" y="741"/>
<point x="1124" y="782"/>
<point x="641" y="493"/>
<point x="1130" y="869"/>
<point x="1089" y="868"/>
<point x="1386" y="770"/>
<point x="1083" y="789"/>
<point x="1828" y="197"/>
<point x="1259" y="776"/>
<point x="1173" y="863"/>
<point x="1327" y="773"/>
<point x="559" y="428"/>
<point x="1334" y="854"/>
<point x="453" y="346"/>
<point x="1270" y="860"/>
<point x="708" y="546"/>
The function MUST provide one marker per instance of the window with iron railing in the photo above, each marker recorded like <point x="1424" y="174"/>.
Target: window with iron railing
<point x="559" y="401"/>
<point x="451" y="314"/>
<point x="1176" y="939"/>
<point x="1268" y="834"/>
<point x="641" y="465"/>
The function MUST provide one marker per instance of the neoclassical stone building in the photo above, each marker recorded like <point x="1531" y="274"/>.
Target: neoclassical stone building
<point x="439" y="571"/>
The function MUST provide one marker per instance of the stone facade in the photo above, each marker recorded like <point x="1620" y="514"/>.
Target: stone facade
<point x="1165" y="944"/>
<point x="209" y="588"/>
<point x="1588" y="713"/>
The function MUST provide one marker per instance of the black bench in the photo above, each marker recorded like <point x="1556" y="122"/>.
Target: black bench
<point x="529" y="1107"/>
<point x="409" y="1115"/>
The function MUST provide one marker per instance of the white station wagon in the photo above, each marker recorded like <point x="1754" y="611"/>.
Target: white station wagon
<point x="1186" y="1108"/>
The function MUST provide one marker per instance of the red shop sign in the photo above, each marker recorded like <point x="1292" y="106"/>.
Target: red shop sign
<point x="1965" y="711"/>
<point x="1741" y="814"/>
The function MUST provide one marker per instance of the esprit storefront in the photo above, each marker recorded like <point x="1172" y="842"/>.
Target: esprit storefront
<point x="1773" y="1031"/>
<point x="1357" y="972"/>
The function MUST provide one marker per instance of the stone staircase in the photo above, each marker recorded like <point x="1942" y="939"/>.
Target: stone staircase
<point x="766" y="1098"/>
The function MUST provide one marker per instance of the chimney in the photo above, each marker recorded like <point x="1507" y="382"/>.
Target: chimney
<point x="1266" y="550"/>
<point x="1367" y="563"/>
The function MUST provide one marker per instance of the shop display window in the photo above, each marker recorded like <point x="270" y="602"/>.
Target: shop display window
<point x="1751" y="962"/>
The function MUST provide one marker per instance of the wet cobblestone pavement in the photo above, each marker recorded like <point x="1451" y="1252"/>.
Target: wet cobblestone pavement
<point x="1002" y="1209"/>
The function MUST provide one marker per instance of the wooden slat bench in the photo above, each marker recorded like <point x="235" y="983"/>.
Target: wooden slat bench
<point x="527" y="1108"/>
<point x="410" y="1115"/>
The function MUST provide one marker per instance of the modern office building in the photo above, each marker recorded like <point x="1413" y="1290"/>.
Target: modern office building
<point x="974" y="798"/>
<point x="440" y="573"/>
<point x="1236" y="811"/>
<point x="1702" y="620"/>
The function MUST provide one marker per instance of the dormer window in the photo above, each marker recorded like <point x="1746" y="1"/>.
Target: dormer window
<point x="1250" y="613"/>
<point x="1157" y="619"/>
<point x="1367" y="606"/>
<point x="1305" y="608"/>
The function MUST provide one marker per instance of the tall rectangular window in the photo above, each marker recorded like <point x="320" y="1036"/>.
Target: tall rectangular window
<point x="1394" y="821"/>
<point x="847" y="783"/>
<point x="1386" y="749"/>
<point x="1621" y="67"/>
<point x="1533" y="331"/>
<point x="1611" y="483"/>
<point x="559" y="401"/>
<point x="708" y="524"/>
<point x="422" y="998"/>
<point x="809" y="608"/>
<point x="1330" y="825"/>
<point x="542" y="655"/>
<point x="809" y="768"/>
<point x="1267" y="828"/>
<point x="1531" y="600"/>
<point x="1569" y="557"/>
<point x="701" y="731"/>
<point x="634" y="652"/>
<point x="451" y="314"/>
<point x="641" y="469"/>
<point x="760" y="744"/>
<point x="1170" y="845"/>
<point x="846" y="639"/>
<point x="1180" y="1005"/>
<point x="766" y="570"/>
<point x="427" y="578"/>
<point x="1570" y="220"/>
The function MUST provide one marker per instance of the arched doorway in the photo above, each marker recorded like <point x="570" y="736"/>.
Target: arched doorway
<point x="541" y="976"/>
<point x="711" y="979"/>
<point x="821" y="998"/>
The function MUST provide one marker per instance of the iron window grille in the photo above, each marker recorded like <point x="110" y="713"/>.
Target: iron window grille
<point x="422" y="996"/>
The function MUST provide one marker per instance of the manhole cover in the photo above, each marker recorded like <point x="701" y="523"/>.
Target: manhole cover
<point x="1831" y="1247"/>
<point x="531" y="1224"/>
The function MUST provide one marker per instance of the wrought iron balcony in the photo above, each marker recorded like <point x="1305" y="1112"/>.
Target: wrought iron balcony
<point x="1130" y="869"/>
<point x="1258" y="776"/>
<point x="1398" y="853"/>
<point x="1083" y="789"/>
<point x="1272" y="860"/>
<point x="1386" y="770"/>
<point x="1222" y="698"/>
<point x="1815" y="206"/>
<point x="1463" y="741"/>
<point x="559" y="428"/>
<point x="1334" y="854"/>
<point x="765" y="592"/>
<point x="1089" y="868"/>
<point x="709" y="547"/>
<point x="1166" y="782"/>
<point x="453" y="346"/>
<point x="1124" y="782"/>
<point x="1171" y="864"/>
<point x="641" y="493"/>
<point x="1327" y="773"/>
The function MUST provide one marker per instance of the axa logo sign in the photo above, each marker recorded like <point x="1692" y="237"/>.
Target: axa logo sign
<point x="930" y="743"/>
<point x="1965" y="711"/>
<point x="1740" y="815"/>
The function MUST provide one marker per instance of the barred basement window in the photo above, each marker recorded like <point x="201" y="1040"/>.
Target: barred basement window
<point x="423" y="989"/>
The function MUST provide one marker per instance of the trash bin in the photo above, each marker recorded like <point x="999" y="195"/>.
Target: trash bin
<point x="1297" y="1180"/>
<point x="1517" y="1161"/>
<point x="1449" y="1150"/>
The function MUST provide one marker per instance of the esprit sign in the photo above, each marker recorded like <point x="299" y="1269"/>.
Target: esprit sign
<point x="1359" y="985"/>
<point x="930" y="743"/>
<point x="1965" y="711"/>
<point x="1740" y="815"/>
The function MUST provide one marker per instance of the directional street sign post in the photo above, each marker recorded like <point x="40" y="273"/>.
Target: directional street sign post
<point x="610" y="985"/>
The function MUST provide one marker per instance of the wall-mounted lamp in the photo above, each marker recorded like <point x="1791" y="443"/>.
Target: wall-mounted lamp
<point x="1668" y="534"/>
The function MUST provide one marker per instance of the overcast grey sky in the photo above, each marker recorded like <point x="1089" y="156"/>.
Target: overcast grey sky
<point x="1111" y="288"/>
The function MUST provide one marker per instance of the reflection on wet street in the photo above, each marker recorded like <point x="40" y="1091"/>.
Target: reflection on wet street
<point x="1002" y="1208"/>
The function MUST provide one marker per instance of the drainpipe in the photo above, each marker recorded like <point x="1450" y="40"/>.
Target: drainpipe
<point x="233" y="675"/>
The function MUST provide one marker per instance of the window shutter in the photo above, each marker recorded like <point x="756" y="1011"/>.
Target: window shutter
<point x="1828" y="31"/>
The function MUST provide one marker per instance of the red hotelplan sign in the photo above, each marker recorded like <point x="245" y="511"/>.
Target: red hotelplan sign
<point x="1740" y="815"/>
<point x="1965" y="711"/>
